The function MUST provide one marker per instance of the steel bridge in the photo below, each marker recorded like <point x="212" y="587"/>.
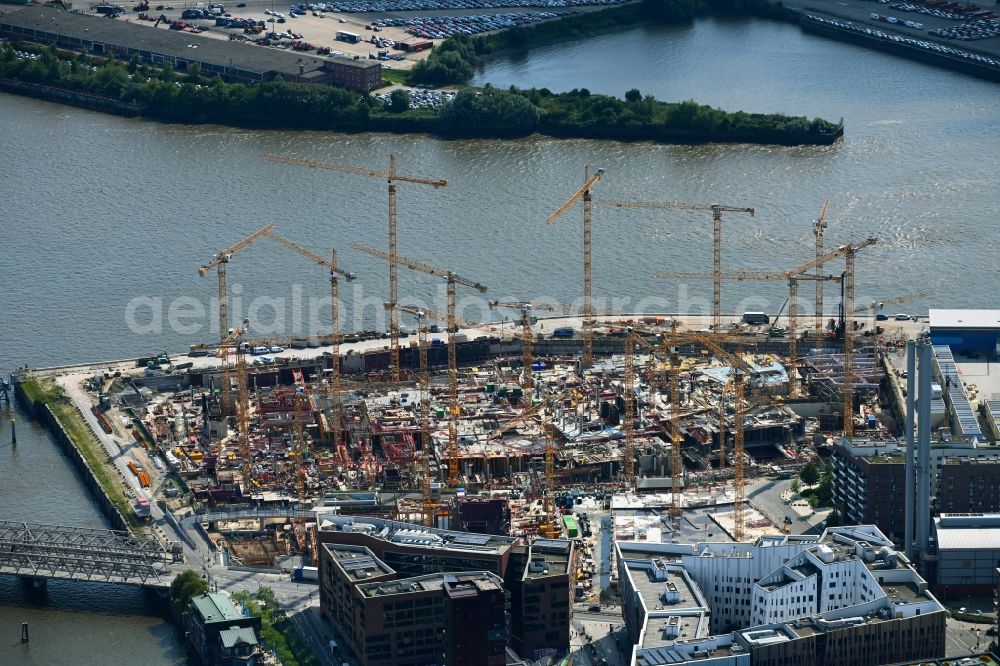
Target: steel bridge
<point x="83" y="554"/>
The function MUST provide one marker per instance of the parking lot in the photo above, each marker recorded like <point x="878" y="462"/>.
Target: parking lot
<point x="442" y="27"/>
<point x="859" y="12"/>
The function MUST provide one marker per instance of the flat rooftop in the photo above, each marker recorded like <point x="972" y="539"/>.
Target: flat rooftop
<point x="556" y="555"/>
<point x="964" y="318"/>
<point x="357" y="562"/>
<point x="173" y="43"/>
<point x="482" y="580"/>
<point x="418" y="536"/>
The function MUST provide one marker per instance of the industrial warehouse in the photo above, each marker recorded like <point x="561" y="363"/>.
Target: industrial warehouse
<point x="450" y="464"/>
<point x="232" y="60"/>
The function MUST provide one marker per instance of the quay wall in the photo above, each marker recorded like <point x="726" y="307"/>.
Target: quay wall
<point x="979" y="70"/>
<point x="44" y="415"/>
<point x="71" y="97"/>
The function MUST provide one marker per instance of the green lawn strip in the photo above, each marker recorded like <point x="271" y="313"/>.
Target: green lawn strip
<point x="83" y="438"/>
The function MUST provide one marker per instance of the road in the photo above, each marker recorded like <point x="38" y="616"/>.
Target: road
<point x="963" y="638"/>
<point x="765" y="496"/>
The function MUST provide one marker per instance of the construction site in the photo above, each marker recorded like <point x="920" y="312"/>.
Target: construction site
<point x="461" y="425"/>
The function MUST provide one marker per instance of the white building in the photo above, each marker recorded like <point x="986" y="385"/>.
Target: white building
<point x="779" y="600"/>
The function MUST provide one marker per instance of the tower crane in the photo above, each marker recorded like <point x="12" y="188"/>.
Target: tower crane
<point x="231" y="342"/>
<point x="792" y="278"/>
<point x="819" y="228"/>
<point x="428" y="505"/>
<point x="453" y="321"/>
<point x="740" y="369"/>
<point x="527" y="341"/>
<point x="335" y="274"/>
<point x="584" y="193"/>
<point x="392" y="178"/>
<point x="219" y="262"/>
<point x="717" y="211"/>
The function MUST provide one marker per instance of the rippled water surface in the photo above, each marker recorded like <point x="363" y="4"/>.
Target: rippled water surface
<point x="100" y="210"/>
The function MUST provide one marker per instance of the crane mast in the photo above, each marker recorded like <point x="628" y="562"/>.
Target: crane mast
<point x="716" y="210"/>
<point x="452" y="322"/>
<point x="336" y="272"/>
<point x="819" y="229"/>
<point x="584" y="194"/>
<point x="219" y="262"/>
<point x="391" y="177"/>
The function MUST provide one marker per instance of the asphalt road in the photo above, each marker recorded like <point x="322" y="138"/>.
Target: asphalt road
<point x="964" y="638"/>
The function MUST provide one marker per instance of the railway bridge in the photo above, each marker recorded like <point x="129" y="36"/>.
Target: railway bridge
<point x="41" y="552"/>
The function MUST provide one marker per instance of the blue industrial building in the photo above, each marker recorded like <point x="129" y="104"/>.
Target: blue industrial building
<point x="966" y="331"/>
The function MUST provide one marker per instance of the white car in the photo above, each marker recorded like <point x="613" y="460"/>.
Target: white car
<point x="277" y="349"/>
<point x="903" y="317"/>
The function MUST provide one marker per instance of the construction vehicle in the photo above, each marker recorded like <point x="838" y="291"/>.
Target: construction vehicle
<point x="774" y="331"/>
<point x="584" y="194"/>
<point x="453" y="280"/>
<point x="392" y="178"/>
<point x="717" y="211"/>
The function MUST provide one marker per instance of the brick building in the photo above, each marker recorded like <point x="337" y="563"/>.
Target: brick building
<point x="385" y="620"/>
<point x="538" y="578"/>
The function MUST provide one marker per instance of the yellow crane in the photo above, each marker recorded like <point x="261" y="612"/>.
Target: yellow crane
<point x="391" y="178"/>
<point x="819" y="229"/>
<point x="849" y="252"/>
<point x="429" y="506"/>
<point x="453" y="280"/>
<point x="527" y="341"/>
<point x="243" y="403"/>
<point x="219" y="262"/>
<point x="584" y="194"/>
<point x="335" y="274"/>
<point x="740" y="369"/>
<point x="717" y="211"/>
<point x="792" y="278"/>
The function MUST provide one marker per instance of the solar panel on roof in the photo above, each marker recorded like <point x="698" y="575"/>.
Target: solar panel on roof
<point x="472" y="539"/>
<point x="358" y="563"/>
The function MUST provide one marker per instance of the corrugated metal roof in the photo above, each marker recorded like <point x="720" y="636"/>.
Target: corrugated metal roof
<point x="972" y="538"/>
<point x="964" y="319"/>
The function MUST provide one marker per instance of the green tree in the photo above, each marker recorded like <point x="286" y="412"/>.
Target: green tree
<point x="167" y="73"/>
<point x="809" y="474"/>
<point x="193" y="73"/>
<point x="133" y="63"/>
<point x="633" y="96"/>
<point x="399" y="101"/>
<point x="186" y="587"/>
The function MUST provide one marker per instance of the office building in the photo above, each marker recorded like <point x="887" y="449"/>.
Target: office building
<point x="387" y="620"/>
<point x="842" y="598"/>
<point x="538" y="577"/>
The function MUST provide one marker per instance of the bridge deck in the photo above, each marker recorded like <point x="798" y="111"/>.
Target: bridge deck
<point x="77" y="553"/>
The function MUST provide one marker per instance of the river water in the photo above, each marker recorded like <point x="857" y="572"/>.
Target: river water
<point x="102" y="212"/>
